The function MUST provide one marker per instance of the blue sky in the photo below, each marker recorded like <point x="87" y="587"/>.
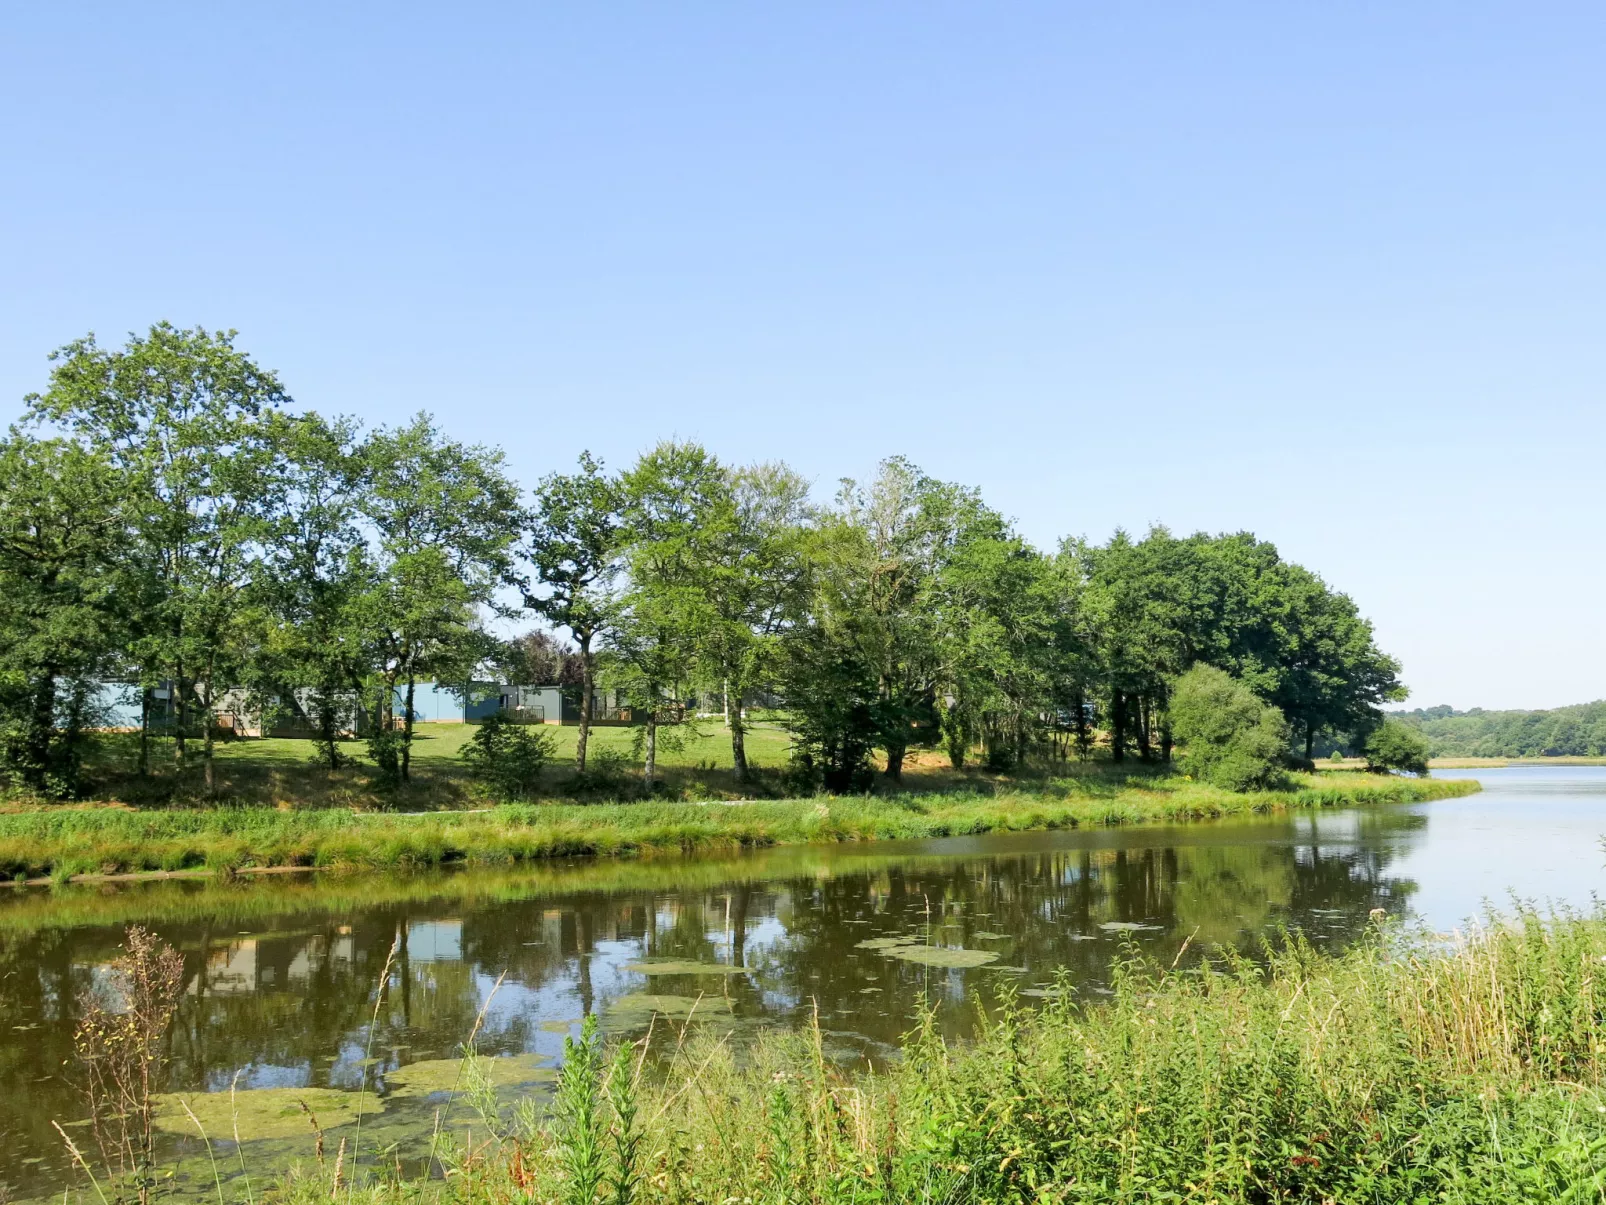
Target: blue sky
<point x="1335" y="274"/>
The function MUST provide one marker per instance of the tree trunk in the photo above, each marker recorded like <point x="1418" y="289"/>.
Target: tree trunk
<point x="407" y="729"/>
<point x="1166" y="741"/>
<point x="1117" y="726"/>
<point x="895" y="755"/>
<point x="206" y="739"/>
<point x="1310" y="740"/>
<point x="41" y="726"/>
<point x="175" y="692"/>
<point x="1145" y="751"/>
<point x="738" y="726"/>
<point x="144" y="732"/>
<point x="649" y="766"/>
<point x="587" y="670"/>
<point x="327" y="722"/>
<point x="1083" y="740"/>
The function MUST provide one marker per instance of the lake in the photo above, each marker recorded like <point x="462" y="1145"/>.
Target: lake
<point x="280" y="973"/>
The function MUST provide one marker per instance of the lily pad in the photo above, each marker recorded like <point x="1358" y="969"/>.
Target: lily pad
<point x="442" y="1075"/>
<point x="262" y="1112"/>
<point x="940" y="956"/>
<point x="991" y="936"/>
<point x="627" y="1012"/>
<point x="671" y="967"/>
<point x="558" y="1026"/>
<point x="884" y="943"/>
<point x="1129" y="926"/>
<point x="1045" y="993"/>
<point x="1010" y="970"/>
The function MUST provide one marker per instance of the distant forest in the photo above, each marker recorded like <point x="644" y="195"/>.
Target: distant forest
<point x="1577" y="731"/>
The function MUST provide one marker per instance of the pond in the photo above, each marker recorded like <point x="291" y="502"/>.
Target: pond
<point x="280" y="973"/>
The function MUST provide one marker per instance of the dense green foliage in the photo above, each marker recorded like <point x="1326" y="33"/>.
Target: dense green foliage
<point x="248" y="560"/>
<point x="1578" y="731"/>
<point x="1232" y="739"/>
<point x="508" y="756"/>
<point x="1396" y="746"/>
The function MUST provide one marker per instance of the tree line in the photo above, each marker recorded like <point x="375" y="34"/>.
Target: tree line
<point x="1576" y="731"/>
<point x="167" y="517"/>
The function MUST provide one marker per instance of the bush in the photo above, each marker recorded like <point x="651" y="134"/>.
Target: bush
<point x="1396" y="746"/>
<point x="508" y="757"/>
<point x="1230" y="738"/>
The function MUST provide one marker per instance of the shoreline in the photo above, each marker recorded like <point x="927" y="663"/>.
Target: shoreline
<point x="116" y="845"/>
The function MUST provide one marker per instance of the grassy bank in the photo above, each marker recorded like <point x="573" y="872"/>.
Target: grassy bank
<point x="1403" y="1070"/>
<point x="64" y="842"/>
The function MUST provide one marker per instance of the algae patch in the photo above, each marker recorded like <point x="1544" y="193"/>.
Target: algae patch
<point x="909" y="949"/>
<point x="672" y="967"/>
<point x="443" y="1075"/>
<point x="262" y="1112"/>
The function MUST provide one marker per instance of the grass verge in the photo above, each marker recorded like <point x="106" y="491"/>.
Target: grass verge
<point x="63" y="843"/>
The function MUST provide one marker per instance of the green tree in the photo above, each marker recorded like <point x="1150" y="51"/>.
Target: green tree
<point x="1003" y="634"/>
<point x="754" y="580"/>
<point x="673" y="497"/>
<point x="315" y="657"/>
<point x="441" y="518"/>
<point x="884" y="570"/>
<point x="64" y="593"/>
<point x="1230" y="738"/>
<point x="508" y="757"/>
<point x="573" y="550"/>
<point x="185" y="414"/>
<point x="1395" y="745"/>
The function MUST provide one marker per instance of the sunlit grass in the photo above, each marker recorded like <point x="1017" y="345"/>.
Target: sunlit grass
<point x="71" y="841"/>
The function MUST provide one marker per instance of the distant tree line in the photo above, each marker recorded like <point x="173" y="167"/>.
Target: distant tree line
<point x="1577" y="731"/>
<point x="167" y="518"/>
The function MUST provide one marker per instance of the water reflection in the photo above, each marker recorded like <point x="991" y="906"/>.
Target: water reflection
<point x="280" y="976"/>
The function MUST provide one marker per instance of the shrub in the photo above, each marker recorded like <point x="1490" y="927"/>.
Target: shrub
<point x="1230" y="738"/>
<point x="1396" y="746"/>
<point x="508" y="757"/>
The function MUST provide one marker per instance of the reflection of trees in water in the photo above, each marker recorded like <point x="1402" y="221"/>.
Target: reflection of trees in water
<point x="291" y="1001"/>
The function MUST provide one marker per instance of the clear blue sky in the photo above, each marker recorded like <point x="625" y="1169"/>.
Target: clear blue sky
<point x="1332" y="273"/>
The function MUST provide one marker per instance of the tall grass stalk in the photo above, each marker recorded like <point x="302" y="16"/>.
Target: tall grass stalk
<point x="368" y="1057"/>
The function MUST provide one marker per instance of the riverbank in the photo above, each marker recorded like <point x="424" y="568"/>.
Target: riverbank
<point x="1401" y="1070"/>
<point x="64" y="844"/>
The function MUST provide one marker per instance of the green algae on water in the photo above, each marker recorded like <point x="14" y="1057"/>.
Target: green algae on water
<point x="941" y="956"/>
<point x="670" y="966"/>
<point x="262" y="1112"/>
<point x="442" y="1075"/>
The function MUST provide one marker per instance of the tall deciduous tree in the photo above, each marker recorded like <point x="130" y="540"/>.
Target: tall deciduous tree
<point x="315" y="656"/>
<point x="573" y="550"/>
<point x="754" y="579"/>
<point x="441" y="517"/>
<point x="64" y="594"/>
<point x="890" y="543"/>
<point x="673" y="498"/>
<point x="184" y="414"/>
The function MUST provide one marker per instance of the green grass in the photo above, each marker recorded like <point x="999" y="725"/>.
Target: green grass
<point x="60" y="842"/>
<point x="1406" y="1070"/>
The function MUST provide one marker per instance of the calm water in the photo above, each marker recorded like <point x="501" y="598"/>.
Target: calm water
<point x="281" y="973"/>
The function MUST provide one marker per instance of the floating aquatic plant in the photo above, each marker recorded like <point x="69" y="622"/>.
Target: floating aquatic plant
<point x="261" y="1112"/>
